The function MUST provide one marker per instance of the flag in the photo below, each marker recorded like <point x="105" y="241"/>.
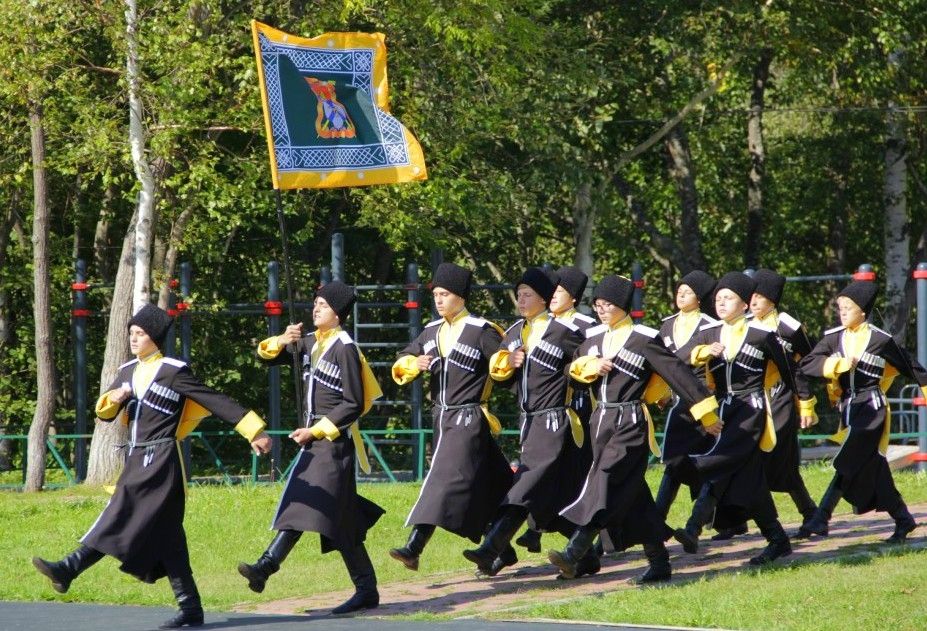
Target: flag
<point x="326" y="111"/>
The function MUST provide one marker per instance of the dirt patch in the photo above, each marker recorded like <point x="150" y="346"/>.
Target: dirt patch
<point x="462" y="594"/>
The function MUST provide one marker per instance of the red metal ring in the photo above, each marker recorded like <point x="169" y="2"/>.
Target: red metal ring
<point x="639" y="283"/>
<point x="919" y="401"/>
<point x="637" y="314"/>
<point x="411" y="304"/>
<point x="273" y="308"/>
<point x="172" y="313"/>
<point x="80" y="286"/>
<point x="864" y="276"/>
<point x="919" y="273"/>
<point x="81" y="313"/>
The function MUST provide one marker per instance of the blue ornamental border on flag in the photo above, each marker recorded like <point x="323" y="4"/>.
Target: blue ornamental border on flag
<point x="326" y="115"/>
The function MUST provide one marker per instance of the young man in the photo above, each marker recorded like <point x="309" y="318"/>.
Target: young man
<point x="571" y="283"/>
<point x="142" y="525"/>
<point x="859" y="362"/>
<point x="321" y="492"/>
<point x="741" y="357"/>
<point x="533" y="358"/>
<point x="682" y="434"/>
<point x="469" y="475"/>
<point x="783" y="463"/>
<point x="623" y="364"/>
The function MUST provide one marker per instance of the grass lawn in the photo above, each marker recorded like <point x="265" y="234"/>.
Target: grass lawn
<point x="226" y="525"/>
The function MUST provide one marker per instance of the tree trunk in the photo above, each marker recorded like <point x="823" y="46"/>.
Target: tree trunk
<point x="101" y="257"/>
<point x="170" y="256"/>
<point x="141" y="289"/>
<point x="41" y="308"/>
<point x="583" y="229"/>
<point x="896" y="238"/>
<point x="754" y="237"/>
<point x="104" y="462"/>
<point x="683" y="173"/>
<point x="837" y="233"/>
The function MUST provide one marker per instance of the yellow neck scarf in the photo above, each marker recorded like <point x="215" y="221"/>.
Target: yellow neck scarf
<point x="733" y="335"/>
<point x="323" y="339"/>
<point x="533" y="330"/>
<point x="684" y="326"/>
<point x="616" y="336"/>
<point x="449" y="331"/>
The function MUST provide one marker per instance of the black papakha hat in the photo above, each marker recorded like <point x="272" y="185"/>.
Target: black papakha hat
<point x="769" y="284"/>
<point x="538" y="280"/>
<point x="618" y="290"/>
<point x="154" y="321"/>
<point x="739" y="283"/>
<point x="339" y="296"/>
<point x="573" y="280"/>
<point x="863" y="293"/>
<point x="453" y="278"/>
<point x="701" y="283"/>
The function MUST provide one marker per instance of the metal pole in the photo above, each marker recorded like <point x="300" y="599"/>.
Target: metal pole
<point x="80" y="313"/>
<point x="437" y="257"/>
<point x="920" y="283"/>
<point x="170" y="341"/>
<point x="325" y="275"/>
<point x="338" y="256"/>
<point x="273" y="328"/>
<point x="637" y="300"/>
<point x="414" y="307"/>
<point x="297" y="384"/>
<point x="186" y="339"/>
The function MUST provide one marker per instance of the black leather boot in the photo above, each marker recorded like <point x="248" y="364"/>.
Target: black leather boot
<point x="409" y="553"/>
<point x="904" y="523"/>
<point x="270" y="561"/>
<point x="530" y="539"/>
<point x="666" y="494"/>
<point x="188" y="599"/>
<point x="818" y="523"/>
<point x="778" y="543"/>
<point x="496" y="540"/>
<point x="703" y="512"/>
<point x="729" y="533"/>
<point x="506" y="558"/>
<point x="579" y="545"/>
<point x="659" y="569"/>
<point x="62" y="572"/>
<point x="364" y="578"/>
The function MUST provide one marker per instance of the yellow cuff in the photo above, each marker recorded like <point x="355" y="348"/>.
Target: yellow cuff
<point x="250" y="426"/>
<point x="405" y="370"/>
<point x="833" y="366"/>
<point x="585" y="369"/>
<point x="325" y="429"/>
<point x="499" y="368"/>
<point x="657" y="389"/>
<point x="700" y="355"/>
<point x="924" y="391"/>
<point x="704" y="410"/>
<point x="269" y="348"/>
<point x="806" y="407"/>
<point x="106" y="409"/>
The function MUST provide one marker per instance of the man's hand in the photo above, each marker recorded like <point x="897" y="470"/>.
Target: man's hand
<point x="605" y="366"/>
<point x="422" y="362"/>
<point x="261" y="443"/>
<point x="301" y="436"/>
<point x="716" y="349"/>
<point x="121" y="394"/>
<point x="292" y="334"/>
<point x="715" y="430"/>
<point x="853" y="362"/>
<point x="517" y="358"/>
<point x="807" y="421"/>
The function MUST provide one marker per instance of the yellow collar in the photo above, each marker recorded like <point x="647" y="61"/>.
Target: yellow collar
<point x="150" y="359"/>
<point x="624" y="323"/>
<point x="543" y="315"/>
<point x="688" y="316"/>
<point x="463" y="313"/>
<point x="862" y="327"/>
<point x="566" y="314"/>
<point x="771" y="319"/>
<point x="323" y="336"/>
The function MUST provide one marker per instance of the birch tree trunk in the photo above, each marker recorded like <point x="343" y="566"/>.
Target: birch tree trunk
<point x="896" y="237"/>
<point x="583" y="228"/>
<point x="137" y="142"/>
<point x="754" y="237"/>
<point x="41" y="307"/>
<point x="682" y="171"/>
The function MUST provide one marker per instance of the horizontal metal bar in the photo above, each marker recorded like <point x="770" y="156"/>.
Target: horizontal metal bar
<point x="383" y="325"/>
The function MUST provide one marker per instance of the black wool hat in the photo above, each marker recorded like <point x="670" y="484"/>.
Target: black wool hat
<point x="618" y="290"/>
<point x="863" y="293"/>
<point x="769" y="284"/>
<point x="538" y="280"/>
<point x="453" y="278"/>
<point x="339" y="296"/>
<point x="154" y="321"/>
<point x="739" y="283"/>
<point x="701" y="283"/>
<point x="573" y="280"/>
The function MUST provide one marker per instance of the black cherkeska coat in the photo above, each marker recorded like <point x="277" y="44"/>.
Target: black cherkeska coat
<point x="142" y="525"/>
<point x="783" y="462"/>
<point x="682" y="434"/>
<point x="734" y="465"/>
<point x="321" y="492"/>
<point x="542" y="484"/>
<point x="615" y="493"/>
<point x="866" y="480"/>
<point x="469" y="475"/>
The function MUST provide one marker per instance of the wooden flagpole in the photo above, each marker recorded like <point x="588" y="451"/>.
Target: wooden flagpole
<point x="297" y="378"/>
